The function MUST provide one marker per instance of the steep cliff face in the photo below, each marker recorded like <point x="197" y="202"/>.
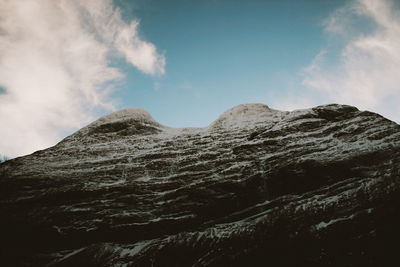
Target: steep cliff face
<point x="258" y="187"/>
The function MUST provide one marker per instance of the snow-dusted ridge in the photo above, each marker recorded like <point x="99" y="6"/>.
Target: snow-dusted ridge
<point x="241" y="116"/>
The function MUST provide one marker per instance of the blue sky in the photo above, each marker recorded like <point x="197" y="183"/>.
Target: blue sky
<point x="65" y="63"/>
<point x="221" y="53"/>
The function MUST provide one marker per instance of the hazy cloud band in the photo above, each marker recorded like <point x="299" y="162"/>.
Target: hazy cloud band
<point x="367" y="72"/>
<point x="55" y="66"/>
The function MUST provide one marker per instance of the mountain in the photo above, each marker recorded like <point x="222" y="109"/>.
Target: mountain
<point x="257" y="187"/>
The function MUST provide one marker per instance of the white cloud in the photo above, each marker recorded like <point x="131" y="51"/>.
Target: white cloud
<point x="55" y="66"/>
<point x="367" y="71"/>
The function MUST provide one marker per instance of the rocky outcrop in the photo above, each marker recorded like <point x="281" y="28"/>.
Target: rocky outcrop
<point x="258" y="187"/>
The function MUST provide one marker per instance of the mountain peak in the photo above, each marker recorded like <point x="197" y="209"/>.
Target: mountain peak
<point x="137" y="114"/>
<point x="124" y="122"/>
<point x="244" y="115"/>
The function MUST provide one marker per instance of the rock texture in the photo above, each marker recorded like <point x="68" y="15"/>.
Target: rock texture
<point x="258" y="187"/>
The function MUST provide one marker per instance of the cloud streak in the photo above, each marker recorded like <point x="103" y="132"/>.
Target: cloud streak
<point x="56" y="67"/>
<point x="366" y="70"/>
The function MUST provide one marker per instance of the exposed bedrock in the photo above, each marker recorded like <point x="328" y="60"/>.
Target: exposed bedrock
<point x="258" y="187"/>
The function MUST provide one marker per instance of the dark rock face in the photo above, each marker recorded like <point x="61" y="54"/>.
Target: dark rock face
<point x="258" y="187"/>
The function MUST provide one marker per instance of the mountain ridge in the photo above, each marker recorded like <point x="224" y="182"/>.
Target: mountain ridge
<point x="316" y="187"/>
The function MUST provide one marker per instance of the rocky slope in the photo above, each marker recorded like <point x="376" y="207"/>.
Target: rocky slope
<point x="258" y="187"/>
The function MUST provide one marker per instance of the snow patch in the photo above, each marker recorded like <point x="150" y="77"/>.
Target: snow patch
<point x="139" y="246"/>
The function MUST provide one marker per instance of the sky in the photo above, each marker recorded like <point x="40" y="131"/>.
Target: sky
<point x="65" y="63"/>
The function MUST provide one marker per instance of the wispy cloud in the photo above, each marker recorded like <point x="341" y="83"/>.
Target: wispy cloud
<point x="366" y="72"/>
<point x="56" y="66"/>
